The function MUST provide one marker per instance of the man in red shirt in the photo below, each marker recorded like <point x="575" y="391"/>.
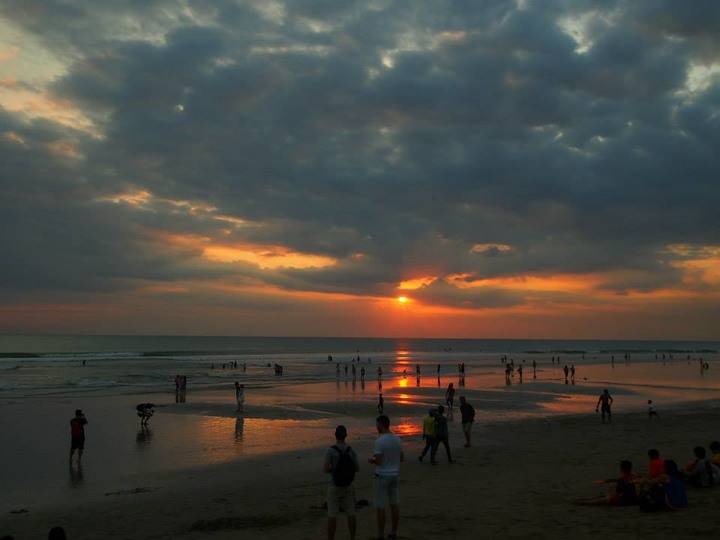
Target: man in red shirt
<point x="77" y="434"/>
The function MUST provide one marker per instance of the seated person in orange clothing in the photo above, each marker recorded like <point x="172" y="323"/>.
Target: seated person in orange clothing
<point x="620" y="493"/>
<point x="656" y="463"/>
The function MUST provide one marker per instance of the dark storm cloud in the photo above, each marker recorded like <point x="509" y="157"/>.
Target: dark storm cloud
<point x="491" y="127"/>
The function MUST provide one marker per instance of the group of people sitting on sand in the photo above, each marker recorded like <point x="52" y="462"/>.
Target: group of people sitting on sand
<point x="663" y="488"/>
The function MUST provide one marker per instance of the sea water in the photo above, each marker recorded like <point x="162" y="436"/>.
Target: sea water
<point x="34" y="365"/>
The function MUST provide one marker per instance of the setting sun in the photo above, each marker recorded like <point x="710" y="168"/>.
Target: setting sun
<point x="402" y="299"/>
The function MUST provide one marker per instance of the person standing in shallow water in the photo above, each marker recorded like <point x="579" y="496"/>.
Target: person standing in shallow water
<point x="77" y="434"/>
<point x="605" y="401"/>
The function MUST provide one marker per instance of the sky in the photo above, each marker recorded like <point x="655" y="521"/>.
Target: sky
<point x="467" y="168"/>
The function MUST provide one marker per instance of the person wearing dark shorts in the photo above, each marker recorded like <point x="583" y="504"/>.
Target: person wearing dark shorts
<point x="77" y="434"/>
<point x="604" y="402"/>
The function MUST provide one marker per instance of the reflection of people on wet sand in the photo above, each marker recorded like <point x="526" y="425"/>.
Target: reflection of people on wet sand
<point x="145" y="412"/>
<point x="239" y="426"/>
<point x="144" y="435"/>
<point x="240" y="396"/>
<point x="76" y="475"/>
<point x="381" y="404"/>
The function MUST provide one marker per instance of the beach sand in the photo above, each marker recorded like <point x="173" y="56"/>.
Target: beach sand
<point x="518" y="480"/>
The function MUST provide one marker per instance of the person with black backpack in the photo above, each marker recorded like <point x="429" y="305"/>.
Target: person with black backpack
<point x="341" y="463"/>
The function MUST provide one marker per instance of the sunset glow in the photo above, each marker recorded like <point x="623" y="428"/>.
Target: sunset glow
<point x="258" y="170"/>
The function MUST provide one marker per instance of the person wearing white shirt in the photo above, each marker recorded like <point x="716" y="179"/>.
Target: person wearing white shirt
<point x="387" y="456"/>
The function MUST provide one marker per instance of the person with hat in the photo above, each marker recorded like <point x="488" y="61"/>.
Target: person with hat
<point x="341" y="463"/>
<point x="77" y="434"/>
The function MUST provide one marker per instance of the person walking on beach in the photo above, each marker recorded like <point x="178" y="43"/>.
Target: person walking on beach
<point x="467" y="413"/>
<point x="651" y="410"/>
<point x="387" y="456"/>
<point x="341" y="463"/>
<point x="441" y="435"/>
<point x="605" y="400"/>
<point x="428" y="434"/>
<point x="450" y="400"/>
<point x="77" y="434"/>
<point x="240" y="396"/>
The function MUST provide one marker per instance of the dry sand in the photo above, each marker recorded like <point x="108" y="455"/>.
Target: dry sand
<point x="517" y="481"/>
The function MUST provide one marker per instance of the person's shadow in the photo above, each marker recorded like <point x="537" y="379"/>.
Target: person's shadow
<point x="143" y="438"/>
<point x="76" y="475"/>
<point x="239" y="426"/>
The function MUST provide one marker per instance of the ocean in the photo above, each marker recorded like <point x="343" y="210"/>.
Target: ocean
<point x="60" y="364"/>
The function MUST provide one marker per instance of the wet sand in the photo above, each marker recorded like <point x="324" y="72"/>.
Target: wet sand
<point x="204" y="472"/>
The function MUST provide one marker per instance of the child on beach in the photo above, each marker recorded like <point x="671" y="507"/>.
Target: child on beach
<point x="651" y="410"/>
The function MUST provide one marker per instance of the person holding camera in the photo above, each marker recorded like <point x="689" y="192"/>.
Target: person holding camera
<point x="77" y="434"/>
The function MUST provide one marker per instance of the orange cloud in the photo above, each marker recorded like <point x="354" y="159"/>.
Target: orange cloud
<point x="482" y="248"/>
<point x="8" y="53"/>
<point x="417" y="283"/>
<point x="269" y="257"/>
<point x="42" y="104"/>
<point x="65" y="148"/>
<point x="14" y="137"/>
<point x="265" y="256"/>
<point x="701" y="266"/>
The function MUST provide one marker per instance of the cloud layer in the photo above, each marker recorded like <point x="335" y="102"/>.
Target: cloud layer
<point x="517" y="169"/>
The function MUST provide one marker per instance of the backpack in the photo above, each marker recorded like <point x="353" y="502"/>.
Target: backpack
<point x="343" y="473"/>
